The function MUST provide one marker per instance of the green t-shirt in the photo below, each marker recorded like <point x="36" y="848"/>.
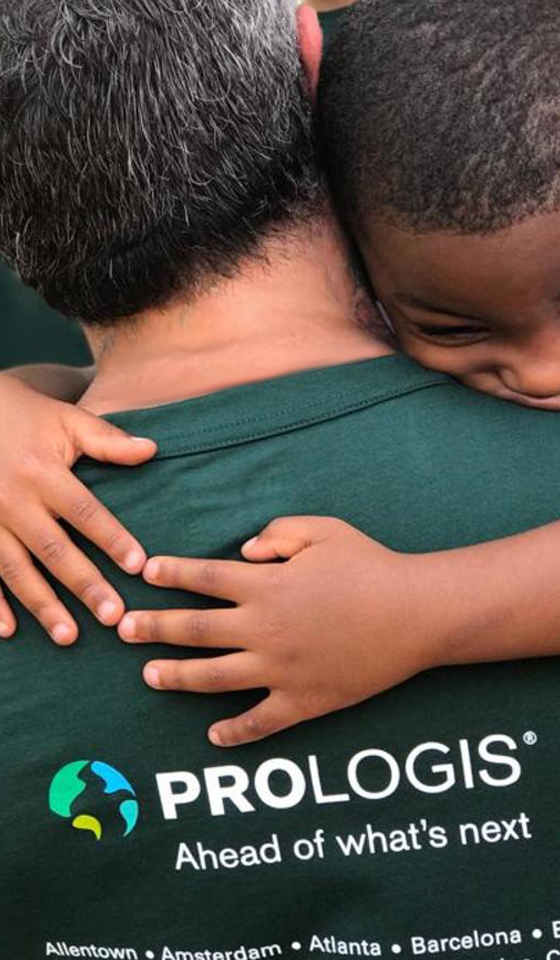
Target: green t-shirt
<point x="423" y="822"/>
<point x="30" y="332"/>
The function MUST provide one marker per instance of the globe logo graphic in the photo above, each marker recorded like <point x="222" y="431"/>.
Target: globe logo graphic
<point x="67" y="787"/>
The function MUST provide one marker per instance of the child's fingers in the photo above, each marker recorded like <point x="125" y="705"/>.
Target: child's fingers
<point x="47" y="541"/>
<point x="103" y="441"/>
<point x="24" y="580"/>
<point x="223" y="579"/>
<point x="284" y="538"/>
<point x="8" y="623"/>
<point x="184" y="628"/>
<point x="270" y="716"/>
<point x="236" y="671"/>
<point x="71" y="500"/>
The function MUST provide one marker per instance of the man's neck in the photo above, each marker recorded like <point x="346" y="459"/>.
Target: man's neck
<point x="297" y="308"/>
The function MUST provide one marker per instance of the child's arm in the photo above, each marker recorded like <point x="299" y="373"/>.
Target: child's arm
<point x="342" y="620"/>
<point x="53" y="380"/>
<point x="345" y="618"/>
<point x="41" y="440"/>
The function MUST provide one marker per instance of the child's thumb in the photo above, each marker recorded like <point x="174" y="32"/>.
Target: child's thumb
<point x="280" y="540"/>
<point x="102" y="441"/>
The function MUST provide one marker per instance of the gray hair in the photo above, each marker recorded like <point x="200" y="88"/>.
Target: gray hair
<point x="147" y="145"/>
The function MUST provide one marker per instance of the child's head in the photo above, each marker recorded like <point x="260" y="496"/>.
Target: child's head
<point x="441" y="131"/>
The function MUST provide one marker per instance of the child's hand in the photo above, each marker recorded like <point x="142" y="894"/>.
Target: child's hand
<point x="41" y="440"/>
<point x="333" y="626"/>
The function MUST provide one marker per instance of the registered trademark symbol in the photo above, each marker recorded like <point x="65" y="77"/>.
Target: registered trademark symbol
<point x="530" y="738"/>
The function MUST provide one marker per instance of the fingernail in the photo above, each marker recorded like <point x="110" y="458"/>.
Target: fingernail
<point x="127" y="629"/>
<point x="106" y="611"/>
<point x="141" y="439"/>
<point x="153" y="570"/>
<point x="134" y="561"/>
<point x="152" y="677"/>
<point x="4" y="629"/>
<point x="215" y="738"/>
<point x="251" y="543"/>
<point x="61" y="633"/>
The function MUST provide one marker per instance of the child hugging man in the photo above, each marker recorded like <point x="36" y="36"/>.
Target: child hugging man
<point x="440" y="130"/>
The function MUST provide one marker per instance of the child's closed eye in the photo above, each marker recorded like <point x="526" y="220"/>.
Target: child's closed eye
<point x="453" y="335"/>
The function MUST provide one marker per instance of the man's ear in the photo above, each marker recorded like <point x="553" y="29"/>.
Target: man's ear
<point x="310" y="44"/>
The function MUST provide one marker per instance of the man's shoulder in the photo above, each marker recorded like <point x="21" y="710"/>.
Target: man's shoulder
<point x="267" y="408"/>
<point x="389" y="393"/>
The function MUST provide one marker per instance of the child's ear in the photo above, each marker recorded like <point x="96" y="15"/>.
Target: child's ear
<point x="372" y="317"/>
<point x="310" y="44"/>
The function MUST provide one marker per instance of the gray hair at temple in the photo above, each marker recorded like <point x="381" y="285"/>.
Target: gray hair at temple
<point x="148" y="146"/>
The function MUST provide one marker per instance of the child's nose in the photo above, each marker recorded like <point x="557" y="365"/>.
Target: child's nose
<point x="534" y="378"/>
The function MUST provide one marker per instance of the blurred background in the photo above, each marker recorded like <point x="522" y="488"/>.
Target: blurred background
<point x="329" y="12"/>
<point x="30" y="332"/>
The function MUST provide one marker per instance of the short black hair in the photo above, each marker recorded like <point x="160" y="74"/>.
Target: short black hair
<point x="147" y="146"/>
<point x="443" y="114"/>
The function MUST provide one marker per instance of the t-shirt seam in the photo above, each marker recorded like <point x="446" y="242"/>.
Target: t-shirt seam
<point x="331" y="414"/>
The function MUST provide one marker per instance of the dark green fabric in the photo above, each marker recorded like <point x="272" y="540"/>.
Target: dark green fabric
<point x="329" y="21"/>
<point x="449" y="785"/>
<point x="30" y="332"/>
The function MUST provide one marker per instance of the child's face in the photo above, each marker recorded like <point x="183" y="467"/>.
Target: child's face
<point x="485" y="309"/>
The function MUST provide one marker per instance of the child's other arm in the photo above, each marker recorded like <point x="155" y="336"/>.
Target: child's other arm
<point x="345" y="618"/>
<point x="40" y="440"/>
<point x="54" y="380"/>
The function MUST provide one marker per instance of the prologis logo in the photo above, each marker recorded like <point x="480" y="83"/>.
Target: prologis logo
<point x="67" y="787"/>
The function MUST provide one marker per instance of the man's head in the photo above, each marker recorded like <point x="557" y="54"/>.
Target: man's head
<point x="147" y="147"/>
<point x="440" y="123"/>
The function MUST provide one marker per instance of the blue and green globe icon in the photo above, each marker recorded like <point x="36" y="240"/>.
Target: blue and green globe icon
<point x="69" y="790"/>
